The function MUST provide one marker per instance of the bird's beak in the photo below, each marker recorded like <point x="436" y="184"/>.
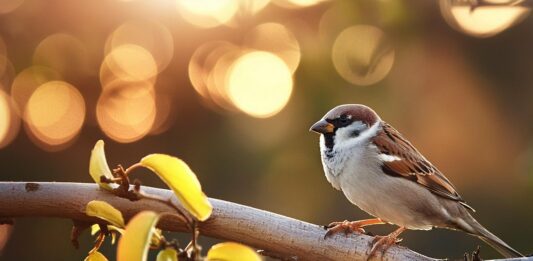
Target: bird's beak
<point x="322" y="126"/>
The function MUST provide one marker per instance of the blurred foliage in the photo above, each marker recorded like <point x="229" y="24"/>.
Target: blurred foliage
<point x="232" y="86"/>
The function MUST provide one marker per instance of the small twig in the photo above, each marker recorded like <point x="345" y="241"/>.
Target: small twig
<point x="195" y="248"/>
<point x="131" y="168"/>
<point x="475" y="256"/>
<point x="98" y="242"/>
<point x="77" y="228"/>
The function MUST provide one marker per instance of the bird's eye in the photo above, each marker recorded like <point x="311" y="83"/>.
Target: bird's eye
<point x="344" y="119"/>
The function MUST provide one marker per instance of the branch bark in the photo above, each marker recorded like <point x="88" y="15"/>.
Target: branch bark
<point x="264" y="230"/>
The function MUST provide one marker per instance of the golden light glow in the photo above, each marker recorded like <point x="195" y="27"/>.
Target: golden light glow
<point x="9" y="120"/>
<point x="7" y="6"/>
<point x="27" y="81"/>
<point x="207" y="13"/>
<point x="150" y="35"/>
<point x="260" y="84"/>
<point x="126" y="111"/>
<point x="5" y="115"/>
<point x="208" y="69"/>
<point x="251" y="7"/>
<point x="63" y="53"/>
<point x="128" y="62"/>
<point x="362" y="55"/>
<point x="277" y="39"/>
<point x="483" y="21"/>
<point x="217" y="77"/>
<point x="297" y="3"/>
<point x="196" y="69"/>
<point x="54" y="114"/>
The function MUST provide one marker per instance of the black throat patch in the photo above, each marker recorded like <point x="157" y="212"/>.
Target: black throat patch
<point x="328" y="138"/>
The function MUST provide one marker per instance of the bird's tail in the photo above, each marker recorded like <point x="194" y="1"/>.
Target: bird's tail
<point x="473" y="227"/>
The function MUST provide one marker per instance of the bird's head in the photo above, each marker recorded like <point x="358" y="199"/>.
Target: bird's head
<point x="345" y="122"/>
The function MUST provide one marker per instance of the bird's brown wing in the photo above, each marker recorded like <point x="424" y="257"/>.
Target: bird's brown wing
<point x="410" y="164"/>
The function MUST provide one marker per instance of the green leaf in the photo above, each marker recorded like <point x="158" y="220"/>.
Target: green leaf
<point x="98" y="165"/>
<point x="167" y="254"/>
<point x="134" y="243"/>
<point x="231" y="251"/>
<point x="103" y="210"/>
<point x="182" y="180"/>
<point x="95" y="256"/>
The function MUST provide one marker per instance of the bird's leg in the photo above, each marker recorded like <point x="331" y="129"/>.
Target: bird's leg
<point x="384" y="242"/>
<point x="349" y="227"/>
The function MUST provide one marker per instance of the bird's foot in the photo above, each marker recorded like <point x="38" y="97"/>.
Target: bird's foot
<point x="351" y="227"/>
<point x="345" y="226"/>
<point x="382" y="243"/>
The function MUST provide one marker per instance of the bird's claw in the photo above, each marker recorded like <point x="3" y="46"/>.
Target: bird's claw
<point x="382" y="243"/>
<point x="345" y="226"/>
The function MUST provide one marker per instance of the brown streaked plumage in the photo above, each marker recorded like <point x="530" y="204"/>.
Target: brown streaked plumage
<point x="412" y="165"/>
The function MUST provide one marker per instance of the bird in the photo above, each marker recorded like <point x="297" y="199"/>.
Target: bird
<point x="383" y="174"/>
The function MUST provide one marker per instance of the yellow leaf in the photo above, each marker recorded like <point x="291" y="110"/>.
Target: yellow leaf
<point x="96" y="228"/>
<point x="134" y="243"/>
<point x="156" y="237"/>
<point x="167" y="254"/>
<point x="95" y="256"/>
<point x="231" y="251"/>
<point x="98" y="165"/>
<point x="103" y="210"/>
<point x="113" y="238"/>
<point x="182" y="180"/>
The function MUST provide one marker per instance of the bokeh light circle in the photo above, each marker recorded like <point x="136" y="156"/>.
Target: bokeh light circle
<point x="55" y="114"/>
<point x="63" y="53"/>
<point x="153" y="36"/>
<point x="277" y="39"/>
<point x="129" y="62"/>
<point x="5" y="116"/>
<point x="362" y="55"/>
<point x="28" y="80"/>
<point x="126" y="111"/>
<point x="202" y="62"/>
<point x="293" y="4"/>
<point x="482" y="21"/>
<point x="9" y="119"/>
<point x="224" y="58"/>
<point x="207" y="13"/>
<point x="259" y="83"/>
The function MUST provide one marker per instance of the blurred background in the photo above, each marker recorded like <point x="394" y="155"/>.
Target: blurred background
<point x="232" y="86"/>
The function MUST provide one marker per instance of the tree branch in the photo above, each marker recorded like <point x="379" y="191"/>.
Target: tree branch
<point x="264" y="230"/>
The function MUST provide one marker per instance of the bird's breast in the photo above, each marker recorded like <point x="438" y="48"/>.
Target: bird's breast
<point x="358" y="175"/>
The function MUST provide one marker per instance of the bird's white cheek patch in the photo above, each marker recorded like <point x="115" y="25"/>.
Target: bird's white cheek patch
<point x="388" y="158"/>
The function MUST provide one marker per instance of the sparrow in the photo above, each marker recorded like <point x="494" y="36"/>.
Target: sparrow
<point x="383" y="174"/>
